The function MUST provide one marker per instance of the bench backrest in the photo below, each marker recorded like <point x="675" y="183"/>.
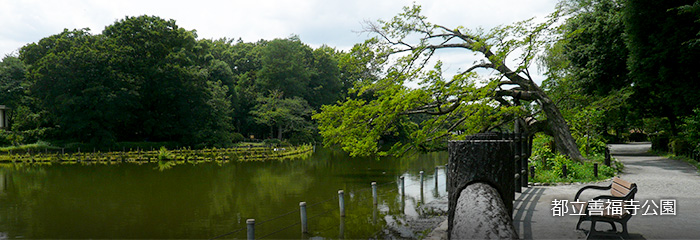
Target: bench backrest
<point x="622" y="188"/>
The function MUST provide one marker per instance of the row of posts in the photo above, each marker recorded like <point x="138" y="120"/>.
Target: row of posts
<point x="565" y="172"/>
<point x="341" y="203"/>
<point x="522" y="144"/>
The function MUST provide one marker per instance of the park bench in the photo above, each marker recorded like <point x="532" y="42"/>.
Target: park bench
<point x="620" y="190"/>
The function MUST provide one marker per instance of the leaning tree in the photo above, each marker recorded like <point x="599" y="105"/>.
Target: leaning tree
<point x="435" y="107"/>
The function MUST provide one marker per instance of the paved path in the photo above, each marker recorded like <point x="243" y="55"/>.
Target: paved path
<point x="657" y="178"/>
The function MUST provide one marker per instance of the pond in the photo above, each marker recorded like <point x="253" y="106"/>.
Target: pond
<point x="207" y="200"/>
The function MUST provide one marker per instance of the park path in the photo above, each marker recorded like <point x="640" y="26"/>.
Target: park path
<point x="656" y="177"/>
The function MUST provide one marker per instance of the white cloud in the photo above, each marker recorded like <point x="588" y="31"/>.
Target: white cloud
<point x="332" y="22"/>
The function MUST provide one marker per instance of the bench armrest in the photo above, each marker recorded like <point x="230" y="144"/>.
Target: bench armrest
<point x="591" y="187"/>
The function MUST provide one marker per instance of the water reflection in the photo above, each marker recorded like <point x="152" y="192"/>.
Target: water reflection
<point x="209" y="199"/>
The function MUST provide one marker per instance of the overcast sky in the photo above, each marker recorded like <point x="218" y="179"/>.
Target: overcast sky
<point x="332" y="22"/>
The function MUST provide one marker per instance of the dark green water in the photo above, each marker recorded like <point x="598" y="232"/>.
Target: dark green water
<point x="207" y="200"/>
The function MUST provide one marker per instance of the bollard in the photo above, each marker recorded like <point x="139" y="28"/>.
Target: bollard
<point x="403" y="190"/>
<point x="563" y="171"/>
<point x="302" y="210"/>
<point x="595" y="170"/>
<point x="421" y="179"/>
<point x="374" y="193"/>
<point x="251" y="229"/>
<point x="436" y="177"/>
<point x="532" y="172"/>
<point x="607" y="156"/>
<point x="341" y="202"/>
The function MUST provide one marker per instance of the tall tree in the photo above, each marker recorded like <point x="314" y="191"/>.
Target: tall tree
<point x="286" y="67"/>
<point x="586" y="67"/>
<point x="663" y="57"/>
<point x="287" y="114"/>
<point x="455" y="103"/>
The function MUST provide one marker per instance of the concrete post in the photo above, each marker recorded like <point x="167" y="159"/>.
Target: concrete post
<point x="403" y="184"/>
<point x="251" y="228"/>
<point x="436" y="177"/>
<point x="374" y="193"/>
<point x="421" y="180"/>
<point x="302" y="210"/>
<point x="341" y="202"/>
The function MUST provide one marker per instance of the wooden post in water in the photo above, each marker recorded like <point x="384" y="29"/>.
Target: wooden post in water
<point x="341" y="202"/>
<point x="374" y="193"/>
<point x="251" y="228"/>
<point x="302" y="210"/>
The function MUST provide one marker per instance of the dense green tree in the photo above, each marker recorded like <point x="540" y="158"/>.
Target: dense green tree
<point x="286" y="67"/>
<point x="661" y="37"/>
<point x="324" y="86"/>
<point x="586" y="68"/>
<point x="12" y="81"/>
<point x="286" y="114"/>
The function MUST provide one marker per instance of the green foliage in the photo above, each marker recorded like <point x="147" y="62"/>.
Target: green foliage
<point x="548" y="165"/>
<point x="586" y="69"/>
<point x="286" y="114"/>
<point x="660" y="36"/>
<point x="146" y="79"/>
<point x="691" y="130"/>
<point x="34" y="147"/>
<point x="163" y="154"/>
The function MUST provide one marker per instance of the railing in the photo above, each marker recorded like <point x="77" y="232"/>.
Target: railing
<point x="302" y="211"/>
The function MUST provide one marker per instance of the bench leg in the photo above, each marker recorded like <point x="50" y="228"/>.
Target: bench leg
<point x="625" y="234"/>
<point x="580" y="220"/>
<point x="592" y="231"/>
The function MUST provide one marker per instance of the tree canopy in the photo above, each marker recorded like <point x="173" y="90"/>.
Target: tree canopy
<point x="147" y="79"/>
<point x="440" y="108"/>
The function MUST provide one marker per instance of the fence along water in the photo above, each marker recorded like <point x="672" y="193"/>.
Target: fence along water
<point x="342" y="197"/>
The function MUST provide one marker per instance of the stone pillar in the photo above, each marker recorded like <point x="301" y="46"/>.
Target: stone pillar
<point x="481" y="159"/>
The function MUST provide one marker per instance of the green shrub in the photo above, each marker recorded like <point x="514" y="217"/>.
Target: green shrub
<point x="272" y="141"/>
<point x="237" y="137"/>
<point x="679" y="146"/>
<point x="548" y="165"/>
<point x="659" y="141"/>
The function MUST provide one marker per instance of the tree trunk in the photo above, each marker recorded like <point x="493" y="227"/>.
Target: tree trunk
<point x="279" y="133"/>
<point x="563" y="141"/>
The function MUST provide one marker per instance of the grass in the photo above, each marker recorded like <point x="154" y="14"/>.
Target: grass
<point x="548" y="165"/>
<point x="576" y="172"/>
<point x="34" y="147"/>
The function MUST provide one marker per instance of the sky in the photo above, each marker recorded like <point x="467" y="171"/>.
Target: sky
<point x="336" y="23"/>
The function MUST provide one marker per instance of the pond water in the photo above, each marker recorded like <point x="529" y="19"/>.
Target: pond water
<point x="207" y="200"/>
